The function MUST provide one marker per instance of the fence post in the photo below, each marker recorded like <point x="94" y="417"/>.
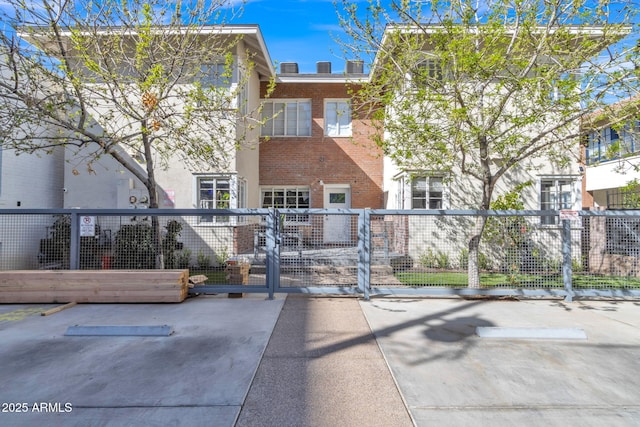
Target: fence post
<point x="364" y="252"/>
<point x="272" y="259"/>
<point x="567" y="269"/>
<point x="74" y="250"/>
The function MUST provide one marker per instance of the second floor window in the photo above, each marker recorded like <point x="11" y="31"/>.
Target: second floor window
<point x="426" y="72"/>
<point x="337" y="118"/>
<point x="608" y="144"/>
<point x="286" y="118"/>
<point x="216" y="75"/>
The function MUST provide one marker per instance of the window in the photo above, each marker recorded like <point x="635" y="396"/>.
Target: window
<point x="214" y="193"/>
<point x="286" y="118"/>
<point x="216" y="75"/>
<point x="242" y="193"/>
<point x="426" y="192"/>
<point x="426" y="72"/>
<point x="337" y="118"/>
<point x="555" y="194"/>
<point x="608" y="144"/>
<point x="288" y="198"/>
<point x="421" y="192"/>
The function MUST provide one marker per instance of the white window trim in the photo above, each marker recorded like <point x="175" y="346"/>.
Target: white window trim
<point x="404" y="197"/>
<point x="232" y="79"/>
<point x="349" y="132"/>
<point x="576" y="193"/>
<point x="285" y="188"/>
<point x="233" y="197"/>
<point x="270" y="121"/>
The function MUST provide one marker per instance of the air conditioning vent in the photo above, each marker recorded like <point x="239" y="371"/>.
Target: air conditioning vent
<point x="355" y="67"/>
<point x="323" y="67"/>
<point x="289" y="68"/>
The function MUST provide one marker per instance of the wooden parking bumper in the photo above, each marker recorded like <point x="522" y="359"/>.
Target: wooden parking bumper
<point x="93" y="286"/>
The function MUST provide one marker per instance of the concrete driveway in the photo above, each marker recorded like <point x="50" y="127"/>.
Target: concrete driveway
<point x="449" y="376"/>
<point x="197" y="376"/>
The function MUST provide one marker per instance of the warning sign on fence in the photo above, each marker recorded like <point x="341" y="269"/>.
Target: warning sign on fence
<point x="87" y="226"/>
<point x="567" y="214"/>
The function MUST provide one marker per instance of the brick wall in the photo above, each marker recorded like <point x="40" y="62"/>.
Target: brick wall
<point x="308" y="161"/>
<point x="243" y="238"/>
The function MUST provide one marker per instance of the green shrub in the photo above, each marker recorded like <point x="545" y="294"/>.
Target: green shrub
<point x="183" y="258"/>
<point x="432" y="259"/>
<point x="483" y="261"/>
<point x="134" y="247"/>
<point x="204" y="260"/>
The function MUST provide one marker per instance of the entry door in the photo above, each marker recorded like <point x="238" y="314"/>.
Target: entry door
<point x="337" y="228"/>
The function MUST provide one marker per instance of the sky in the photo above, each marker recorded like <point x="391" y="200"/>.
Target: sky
<point x="301" y="31"/>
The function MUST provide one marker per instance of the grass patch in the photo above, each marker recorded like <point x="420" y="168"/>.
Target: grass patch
<point x="214" y="277"/>
<point x="459" y="279"/>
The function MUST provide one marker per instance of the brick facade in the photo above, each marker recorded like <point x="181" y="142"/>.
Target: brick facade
<point x="318" y="159"/>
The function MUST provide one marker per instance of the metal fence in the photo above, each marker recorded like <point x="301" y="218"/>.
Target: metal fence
<point x="368" y="252"/>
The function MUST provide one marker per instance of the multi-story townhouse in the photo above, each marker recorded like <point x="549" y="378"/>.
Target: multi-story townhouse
<point x="316" y="150"/>
<point x="232" y="183"/>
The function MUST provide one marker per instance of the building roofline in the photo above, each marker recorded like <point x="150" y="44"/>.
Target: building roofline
<point x="250" y="33"/>
<point x="322" y="78"/>
<point x="428" y="29"/>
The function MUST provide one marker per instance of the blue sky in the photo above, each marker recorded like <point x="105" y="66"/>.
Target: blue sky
<point x="299" y="31"/>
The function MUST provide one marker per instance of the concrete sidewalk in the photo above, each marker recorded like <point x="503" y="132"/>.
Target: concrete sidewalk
<point x="323" y="367"/>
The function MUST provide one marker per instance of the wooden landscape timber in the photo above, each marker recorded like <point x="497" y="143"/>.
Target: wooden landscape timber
<point x="93" y="286"/>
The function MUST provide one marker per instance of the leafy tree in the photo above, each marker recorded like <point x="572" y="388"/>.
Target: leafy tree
<point x="123" y="79"/>
<point x="479" y="89"/>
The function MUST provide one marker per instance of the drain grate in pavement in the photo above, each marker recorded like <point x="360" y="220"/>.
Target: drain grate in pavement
<point x="120" y="331"/>
<point x="531" y="333"/>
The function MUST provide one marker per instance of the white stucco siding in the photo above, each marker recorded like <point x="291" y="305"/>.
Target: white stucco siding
<point x="613" y="174"/>
<point x="27" y="181"/>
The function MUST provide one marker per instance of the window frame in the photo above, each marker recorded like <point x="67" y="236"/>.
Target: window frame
<point x="555" y="200"/>
<point x="222" y="78"/>
<point x="426" y="71"/>
<point x="272" y="120"/>
<point x="217" y="203"/>
<point x="432" y="198"/>
<point x="599" y="141"/>
<point x="348" y="132"/>
<point x="286" y="198"/>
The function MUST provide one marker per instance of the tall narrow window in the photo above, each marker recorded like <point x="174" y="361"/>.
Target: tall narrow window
<point x="555" y="194"/>
<point x="337" y="118"/>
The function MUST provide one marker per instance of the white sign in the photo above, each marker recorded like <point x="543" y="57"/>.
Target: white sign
<point x="566" y="214"/>
<point x="88" y="226"/>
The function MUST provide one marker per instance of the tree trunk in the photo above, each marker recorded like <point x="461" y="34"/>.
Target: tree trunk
<point x="488" y="183"/>
<point x="151" y="186"/>
<point x="473" y="268"/>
